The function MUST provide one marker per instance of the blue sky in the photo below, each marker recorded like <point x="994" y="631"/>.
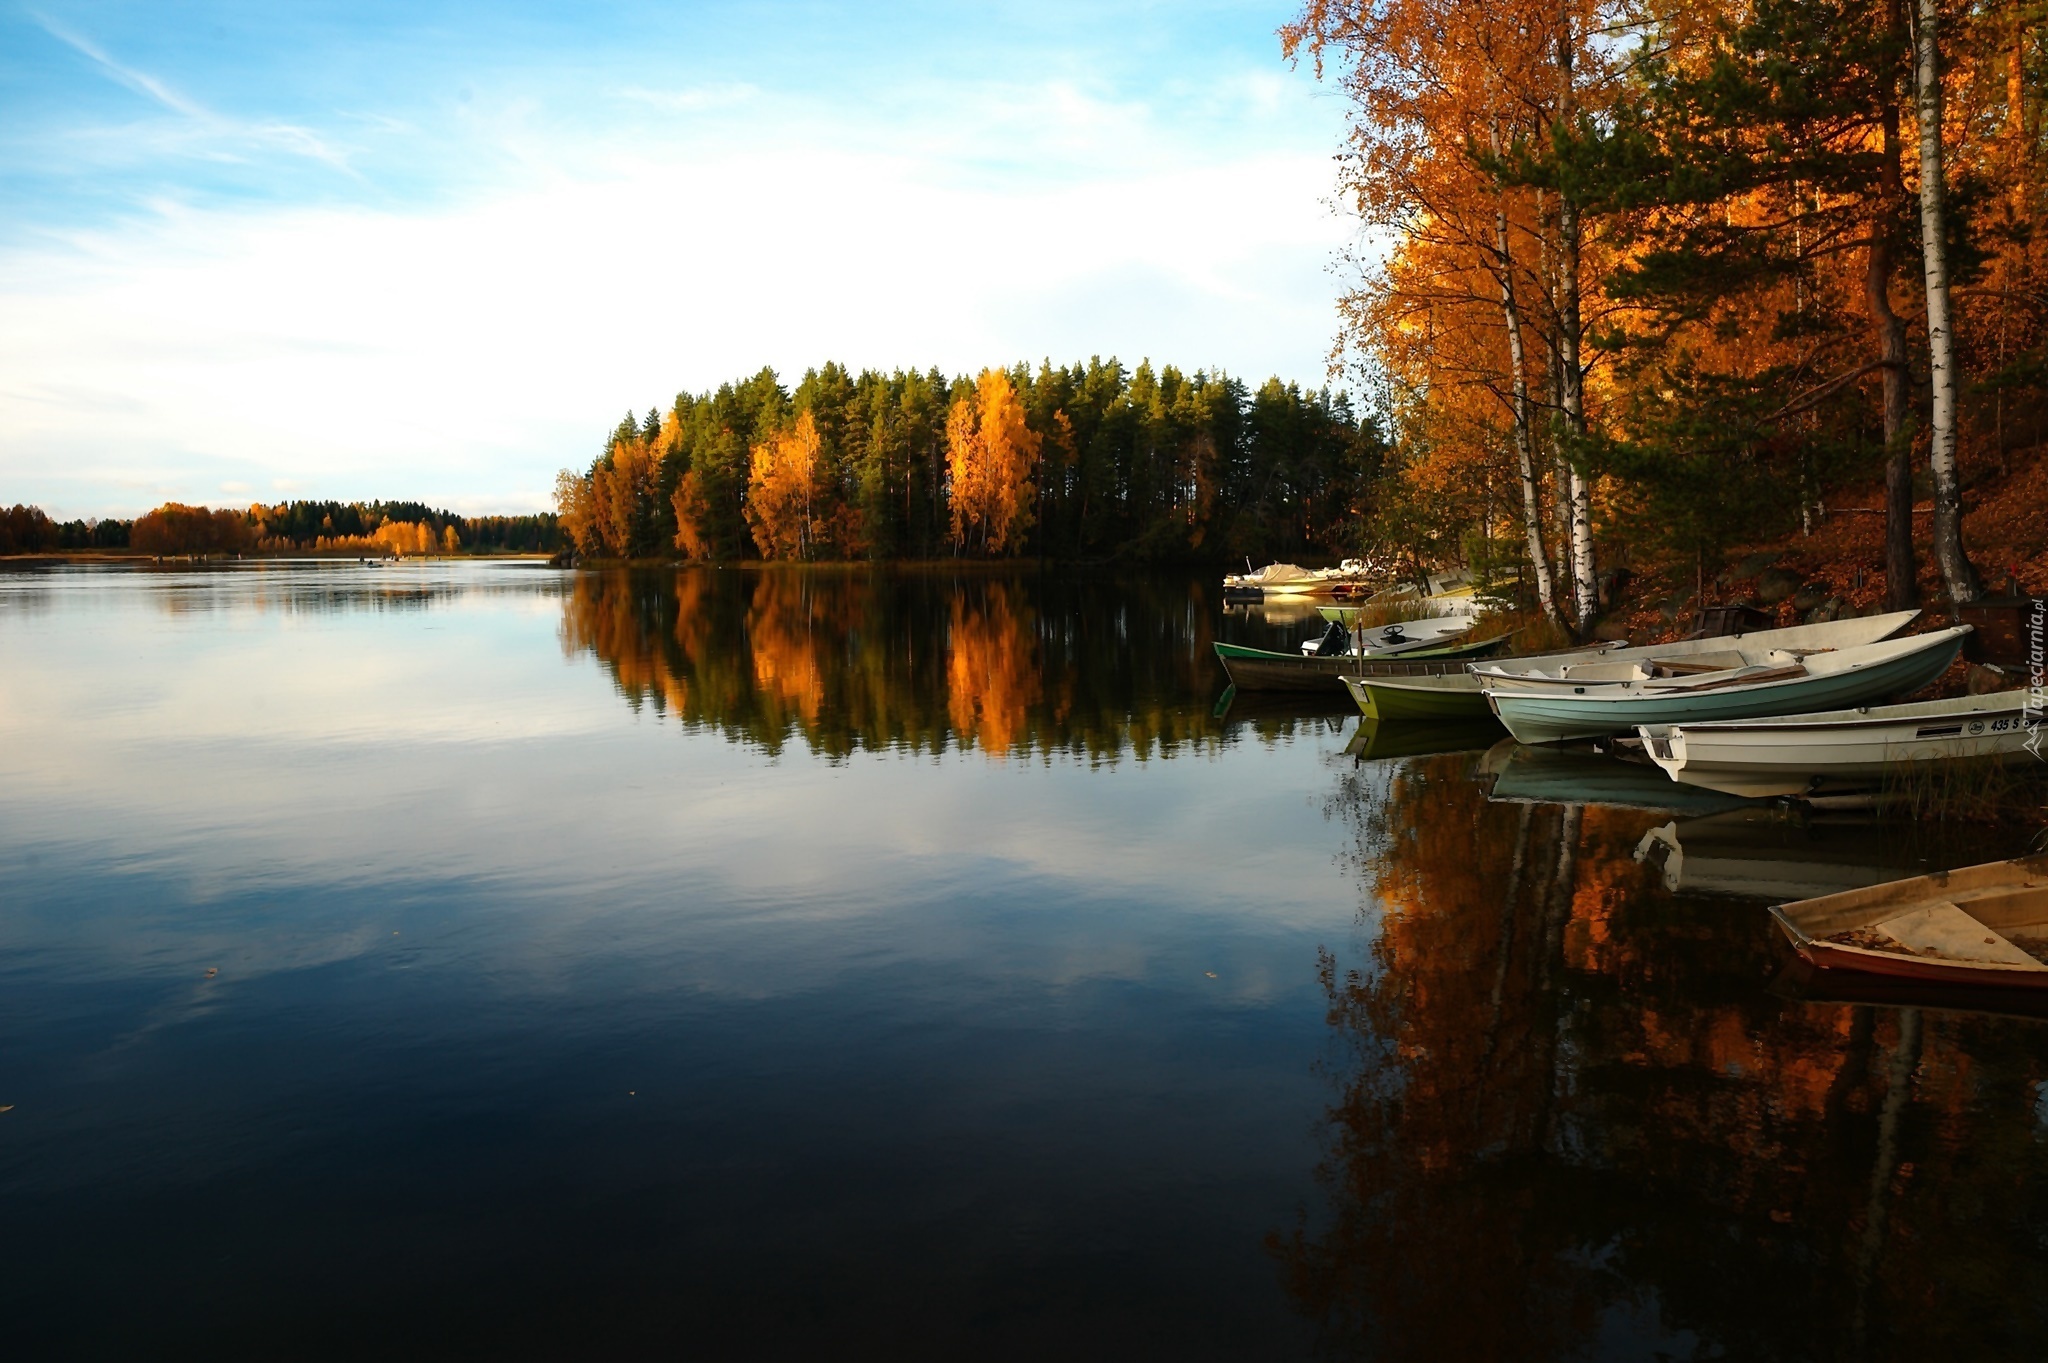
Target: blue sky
<point x="256" y="251"/>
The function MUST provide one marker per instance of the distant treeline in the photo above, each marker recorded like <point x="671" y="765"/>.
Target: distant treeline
<point x="303" y="525"/>
<point x="26" y="530"/>
<point x="1088" y="461"/>
<point x="287" y="527"/>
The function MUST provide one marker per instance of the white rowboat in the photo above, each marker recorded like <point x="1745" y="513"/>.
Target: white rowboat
<point x="1463" y="693"/>
<point x="1754" y="682"/>
<point x="1791" y="754"/>
<point x="1630" y="664"/>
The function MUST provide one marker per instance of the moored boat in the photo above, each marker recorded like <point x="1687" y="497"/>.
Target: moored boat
<point x="1450" y="694"/>
<point x="1259" y="669"/>
<point x="1792" y="754"/>
<point x="1451" y="595"/>
<point x="1748" y="683"/>
<point x="1453" y="696"/>
<point x="1982" y="925"/>
<point x="1351" y="578"/>
<point x="1864" y="629"/>
<point x="1401" y="636"/>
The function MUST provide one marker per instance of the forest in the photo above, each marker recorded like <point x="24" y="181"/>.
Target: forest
<point x="286" y="528"/>
<point x="1086" y="462"/>
<point x="1652" y="296"/>
<point x="1660" y="287"/>
<point x="1670" y="282"/>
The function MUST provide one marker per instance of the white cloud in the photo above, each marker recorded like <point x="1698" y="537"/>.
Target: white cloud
<point x="462" y="353"/>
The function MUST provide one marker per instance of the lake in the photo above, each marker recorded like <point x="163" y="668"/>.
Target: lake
<point x="479" y="960"/>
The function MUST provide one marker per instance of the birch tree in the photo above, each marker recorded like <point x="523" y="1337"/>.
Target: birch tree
<point x="1958" y="577"/>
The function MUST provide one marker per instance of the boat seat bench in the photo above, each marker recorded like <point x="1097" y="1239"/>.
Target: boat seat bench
<point x="1944" y="930"/>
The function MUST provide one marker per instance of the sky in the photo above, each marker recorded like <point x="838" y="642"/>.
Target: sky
<point x="433" y="251"/>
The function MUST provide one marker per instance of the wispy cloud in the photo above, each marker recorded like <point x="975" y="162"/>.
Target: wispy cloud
<point x="291" y="138"/>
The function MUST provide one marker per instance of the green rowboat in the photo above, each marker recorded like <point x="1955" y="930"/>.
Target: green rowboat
<point x="1259" y="669"/>
<point x="1454" y="695"/>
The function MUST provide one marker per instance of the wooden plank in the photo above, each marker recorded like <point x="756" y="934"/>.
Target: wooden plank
<point x="1687" y="686"/>
<point x="2009" y="907"/>
<point x="1945" y="931"/>
<point x="1855" y="908"/>
<point x="1699" y="662"/>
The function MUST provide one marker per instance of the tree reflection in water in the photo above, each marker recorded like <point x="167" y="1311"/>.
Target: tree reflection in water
<point x="1571" y="1120"/>
<point x="850" y="659"/>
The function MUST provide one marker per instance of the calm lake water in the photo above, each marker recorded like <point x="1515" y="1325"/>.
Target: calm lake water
<point x="481" y="960"/>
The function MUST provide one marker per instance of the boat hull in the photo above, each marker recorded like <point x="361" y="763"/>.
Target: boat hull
<point x="1555" y="715"/>
<point x="1791" y="757"/>
<point x="1991" y="901"/>
<point x="1258" y="669"/>
<point x="1455" y="696"/>
<point x="1834" y="634"/>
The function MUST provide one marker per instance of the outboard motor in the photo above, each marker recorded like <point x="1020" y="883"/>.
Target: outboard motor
<point x="1336" y="640"/>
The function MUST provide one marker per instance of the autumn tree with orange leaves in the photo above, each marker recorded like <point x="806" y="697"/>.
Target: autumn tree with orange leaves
<point x="1484" y="300"/>
<point x="991" y="455"/>
<point x="175" y="528"/>
<point x="785" y="492"/>
<point x="1675" y="274"/>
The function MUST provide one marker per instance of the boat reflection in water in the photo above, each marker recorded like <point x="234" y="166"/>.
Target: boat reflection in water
<point x="1376" y="740"/>
<point x="1555" y="775"/>
<point x="1570" y="1118"/>
<point x="1767" y="853"/>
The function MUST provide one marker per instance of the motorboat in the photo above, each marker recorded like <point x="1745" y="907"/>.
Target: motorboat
<point x="1350" y="578"/>
<point x="1383" y="640"/>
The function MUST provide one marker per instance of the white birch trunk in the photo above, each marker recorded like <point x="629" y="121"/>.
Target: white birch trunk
<point x="1956" y="573"/>
<point x="1571" y="374"/>
<point x="1572" y="397"/>
<point x="1532" y="511"/>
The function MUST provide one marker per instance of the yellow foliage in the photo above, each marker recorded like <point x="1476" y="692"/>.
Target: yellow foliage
<point x="620" y="491"/>
<point x="406" y="537"/>
<point x="175" y="528"/>
<point x="693" y="515"/>
<point x="577" y="507"/>
<point x="990" y="455"/>
<point x="783" y="496"/>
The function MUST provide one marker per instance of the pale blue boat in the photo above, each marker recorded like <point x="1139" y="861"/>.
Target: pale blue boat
<point x="1591" y="704"/>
